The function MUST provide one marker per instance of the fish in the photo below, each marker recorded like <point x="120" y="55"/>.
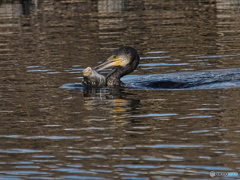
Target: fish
<point x="93" y="78"/>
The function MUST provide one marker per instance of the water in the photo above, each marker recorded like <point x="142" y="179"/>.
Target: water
<point x="50" y="130"/>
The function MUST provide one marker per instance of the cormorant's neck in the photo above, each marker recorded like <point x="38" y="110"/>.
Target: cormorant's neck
<point x="113" y="78"/>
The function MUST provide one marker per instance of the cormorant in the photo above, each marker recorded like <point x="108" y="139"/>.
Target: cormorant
<point x="126" y="59"/>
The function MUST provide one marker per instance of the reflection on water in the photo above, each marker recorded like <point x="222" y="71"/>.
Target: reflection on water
<point x="48" y="132"/>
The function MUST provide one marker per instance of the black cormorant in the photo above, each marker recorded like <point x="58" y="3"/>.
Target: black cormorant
<point x="126" y="59"/>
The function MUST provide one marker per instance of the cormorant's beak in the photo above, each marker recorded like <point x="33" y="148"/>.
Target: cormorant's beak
<point x="112" y="61"/>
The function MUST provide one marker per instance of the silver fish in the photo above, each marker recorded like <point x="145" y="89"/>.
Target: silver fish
<point x="93" y="78"/>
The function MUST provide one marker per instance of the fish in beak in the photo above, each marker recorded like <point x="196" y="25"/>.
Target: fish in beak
<point x="112" y="61"/>
<point x="93" y="78"/>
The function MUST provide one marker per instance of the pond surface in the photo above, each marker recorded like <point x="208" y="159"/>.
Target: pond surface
<point x="49" y="130"/>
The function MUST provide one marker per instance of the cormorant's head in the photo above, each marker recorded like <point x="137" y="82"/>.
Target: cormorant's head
<point x="125" y="58"/>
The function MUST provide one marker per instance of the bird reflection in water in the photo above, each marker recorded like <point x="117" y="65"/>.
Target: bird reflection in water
<point x="117" y="104"/>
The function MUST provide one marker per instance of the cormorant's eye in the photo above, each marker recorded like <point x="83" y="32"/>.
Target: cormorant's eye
<point x="114" y="56"/>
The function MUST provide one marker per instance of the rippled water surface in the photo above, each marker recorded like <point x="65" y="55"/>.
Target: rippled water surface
<point x="51" y="129"/>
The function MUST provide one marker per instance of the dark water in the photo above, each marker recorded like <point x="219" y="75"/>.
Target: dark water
<point x="49" y="130"/>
